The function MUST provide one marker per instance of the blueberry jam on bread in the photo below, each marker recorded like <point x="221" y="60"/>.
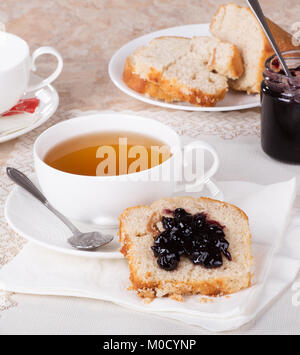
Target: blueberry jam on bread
<point x="210" y="256"/>
<point x="194" y="236"/>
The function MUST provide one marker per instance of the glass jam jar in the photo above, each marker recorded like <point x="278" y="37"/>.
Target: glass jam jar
<point x="280" y="113"/>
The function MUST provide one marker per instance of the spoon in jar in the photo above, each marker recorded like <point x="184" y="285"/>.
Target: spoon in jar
<point x="81" y="241"/>
<point x="256" y="9"/>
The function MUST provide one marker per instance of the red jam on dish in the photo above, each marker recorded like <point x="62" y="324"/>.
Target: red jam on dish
<point x="26" y="105"/>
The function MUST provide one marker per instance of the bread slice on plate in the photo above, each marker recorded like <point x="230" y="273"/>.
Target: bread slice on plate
<point x="140" y="227"/>
<point x="221" y="57"/>
<point x="182" y="69"/>
<point x="238" y="25"/>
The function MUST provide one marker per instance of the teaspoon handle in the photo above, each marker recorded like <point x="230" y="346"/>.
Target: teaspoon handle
<point x="256" y="8"/>
<point x="22" y="180"/>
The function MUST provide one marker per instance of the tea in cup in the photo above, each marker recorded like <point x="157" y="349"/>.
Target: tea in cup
<point x="86" y="173"/>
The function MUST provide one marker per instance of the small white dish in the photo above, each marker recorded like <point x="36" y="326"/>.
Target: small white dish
<point x="233" y="100"/>
<point x="31" y="220"/>
<point x="49" y="101"/>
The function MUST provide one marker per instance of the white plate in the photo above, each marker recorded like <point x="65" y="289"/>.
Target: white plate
<point x="34" y="222"/>
<point x="233" y="101"/>
<point x="49" y="101"/>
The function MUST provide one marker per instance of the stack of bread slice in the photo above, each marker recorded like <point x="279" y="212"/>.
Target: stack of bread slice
<point x="137" y="234"/>
<point x="238" y="25"/>
<point x="181" y="69"/>
<point x="200" y="70"/>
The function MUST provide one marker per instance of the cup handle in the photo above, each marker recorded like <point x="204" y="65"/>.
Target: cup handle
<point x="203" y="180"/>
<point x="40" y="51"/>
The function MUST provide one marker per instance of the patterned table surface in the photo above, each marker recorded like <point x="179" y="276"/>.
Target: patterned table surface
<point x="87" y="34"/>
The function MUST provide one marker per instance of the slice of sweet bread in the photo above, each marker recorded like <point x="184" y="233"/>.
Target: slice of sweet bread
<point x="193" y="272"/>
<point x="238" y="25"/>
<point x="181" y="69"/>
<point x="221" y="57"/>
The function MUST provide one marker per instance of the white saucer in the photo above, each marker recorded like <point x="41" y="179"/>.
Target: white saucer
<point x="49" y="101"/>
<point x="34" y="222"/>
<point x="233" y="101"/>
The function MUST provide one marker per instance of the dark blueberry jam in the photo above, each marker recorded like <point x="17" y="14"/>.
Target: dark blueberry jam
<point x="280" y="116"/>
<point x="201" y="240"/>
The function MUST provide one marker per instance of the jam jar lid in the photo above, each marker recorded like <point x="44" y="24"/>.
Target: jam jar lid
<point x="276" y="79"/>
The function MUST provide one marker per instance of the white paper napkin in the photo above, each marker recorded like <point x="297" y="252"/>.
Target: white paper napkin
<point x="15" y="123"/>
<point x="276" y="251"/>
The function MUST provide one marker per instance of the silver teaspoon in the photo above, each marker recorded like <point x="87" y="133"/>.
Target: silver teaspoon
<point x="256" y="9"/>
<point x="82" y="241"/>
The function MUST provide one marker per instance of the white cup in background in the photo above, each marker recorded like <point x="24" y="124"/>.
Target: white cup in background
<point x="16" y="63"/>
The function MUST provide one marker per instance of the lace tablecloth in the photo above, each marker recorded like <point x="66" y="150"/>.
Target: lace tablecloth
<point x="236" y="138"/>
<point x="228" y="127"/>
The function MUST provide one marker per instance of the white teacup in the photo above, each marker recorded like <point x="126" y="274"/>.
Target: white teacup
<point x="15" y="66"/>
<point x="101" y="199"/>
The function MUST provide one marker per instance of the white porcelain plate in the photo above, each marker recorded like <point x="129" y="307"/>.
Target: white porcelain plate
<point x="233" y="101"/>
<point x="49" y="101"/>
<point x="34" y="222"/>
